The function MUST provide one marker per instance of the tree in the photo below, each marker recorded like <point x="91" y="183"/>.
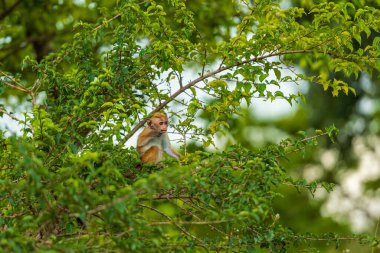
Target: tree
<point x="357" y="118"/>
<point x="70" y="178"/>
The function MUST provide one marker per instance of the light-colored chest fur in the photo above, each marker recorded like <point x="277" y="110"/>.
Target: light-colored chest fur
<point x="158" y="141"/>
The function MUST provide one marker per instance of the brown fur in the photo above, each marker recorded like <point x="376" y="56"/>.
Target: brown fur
<point x="154" y="141"/>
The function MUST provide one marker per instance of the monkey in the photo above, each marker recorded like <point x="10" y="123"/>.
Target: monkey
<point x="154" y="141"/>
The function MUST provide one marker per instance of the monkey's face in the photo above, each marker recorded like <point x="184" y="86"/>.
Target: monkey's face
<point x="160" y="125"/>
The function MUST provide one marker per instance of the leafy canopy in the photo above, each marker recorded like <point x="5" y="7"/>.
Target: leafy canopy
<point x="69" y="177"/>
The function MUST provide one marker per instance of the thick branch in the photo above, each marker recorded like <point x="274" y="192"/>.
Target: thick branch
<point x="200" y="79"/>
<point x="8" y="11"/>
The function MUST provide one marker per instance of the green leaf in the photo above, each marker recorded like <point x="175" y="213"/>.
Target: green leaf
<point x="120" y="107"/>
<point x="277" y="72"/>
<point x="107" y="104"/>
<point x="193" y="90"/>
<point x="260" y="87"/>
<point x="358" y="38"/>
<point x="263" y="76"/>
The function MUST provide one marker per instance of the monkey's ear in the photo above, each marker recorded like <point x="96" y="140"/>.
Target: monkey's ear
<point x="149" y="122"/>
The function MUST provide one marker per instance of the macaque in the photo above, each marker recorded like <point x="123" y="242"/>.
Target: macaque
<point x="154" y="141"/>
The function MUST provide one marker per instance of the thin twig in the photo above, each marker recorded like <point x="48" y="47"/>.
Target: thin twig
<point x="175" y="197"/>
<point x="18" y="86"/>
<point x="240" y="33"/>
<point x="155" y="223"/>
<point x="319" y="186"/>
<point x="7" y="168"/>
<point x="179" y="77"/>
<point x="10" y="115"/>
<point x="251" y="245"/>
<point x="14" y="118"/>
<point x="175" y="224"/>
<point x="200" y="222"/>
<point x="15" y="215"/>
<point x="106" y="22"/>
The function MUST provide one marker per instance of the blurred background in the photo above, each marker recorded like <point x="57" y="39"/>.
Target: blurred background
<point x="35" y="28"/>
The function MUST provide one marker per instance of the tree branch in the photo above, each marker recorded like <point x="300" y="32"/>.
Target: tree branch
<point x="200" y="79"/>
<point x="20" y="87"/>
<point x="8" y="11"/>
<point x="199" y="222"/>
<point x="252" y="245"/>
<point x="106" y="22"/>
<point x="15" y="118"/>
<point x="16" y="84"/>
<point x="155" y="223"/>
<point x="9" y="115"/>
<point x="175" y="224"/>
<point x="174" y="197"/>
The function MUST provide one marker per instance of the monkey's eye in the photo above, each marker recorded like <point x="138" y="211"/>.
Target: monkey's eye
<point x="161" y="123"/>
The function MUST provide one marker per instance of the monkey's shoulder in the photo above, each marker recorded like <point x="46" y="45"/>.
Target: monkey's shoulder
<point x="145" y="133"/>
<point x="156" y="140"/>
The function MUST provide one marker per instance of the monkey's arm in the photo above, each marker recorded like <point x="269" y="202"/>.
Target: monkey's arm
<point x="168" y="149"/>
<point x="172" y="153"/>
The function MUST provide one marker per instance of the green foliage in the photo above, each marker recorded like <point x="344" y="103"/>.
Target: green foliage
<point x="69" y="178"/>
<point x="99" y="199"/>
